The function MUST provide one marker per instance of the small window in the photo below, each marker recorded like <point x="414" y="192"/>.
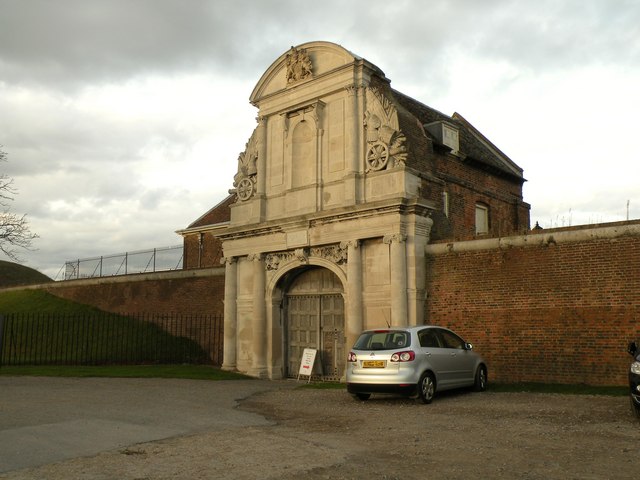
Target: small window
<point x="482" y="219"/>
<point x="445" y="204"/>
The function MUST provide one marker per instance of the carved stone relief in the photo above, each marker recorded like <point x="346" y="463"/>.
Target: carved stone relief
<point x="385" y="141"/>
<point x="334" y="253"/>
<point x="298" y="65"/>
<point x="245" y="179"/>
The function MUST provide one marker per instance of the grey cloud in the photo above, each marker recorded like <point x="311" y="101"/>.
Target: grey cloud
<point x="76" y="40"/>
<point x="72" y="41"/>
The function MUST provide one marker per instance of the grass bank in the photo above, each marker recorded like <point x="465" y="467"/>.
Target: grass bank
<point x="194" y="372"/>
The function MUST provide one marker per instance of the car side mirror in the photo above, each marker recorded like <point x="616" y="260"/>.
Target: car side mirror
<point x="468" y="346"/>
<point x="632" y="348"/>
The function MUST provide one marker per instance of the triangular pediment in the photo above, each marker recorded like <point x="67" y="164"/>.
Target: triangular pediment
<point x="299" y="65"/>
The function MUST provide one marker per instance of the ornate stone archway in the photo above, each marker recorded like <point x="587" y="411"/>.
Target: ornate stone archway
<point x="313" y="317"/>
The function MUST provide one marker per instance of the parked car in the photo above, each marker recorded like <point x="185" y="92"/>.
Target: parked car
<point x="413" y="361"/>
<point x="634" y="379"/>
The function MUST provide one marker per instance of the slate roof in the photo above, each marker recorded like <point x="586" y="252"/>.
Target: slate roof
<point x="218" y="214"/>
<point x="473" y="145"/>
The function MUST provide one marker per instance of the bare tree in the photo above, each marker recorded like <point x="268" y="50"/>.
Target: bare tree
<point x="14" y="229"/>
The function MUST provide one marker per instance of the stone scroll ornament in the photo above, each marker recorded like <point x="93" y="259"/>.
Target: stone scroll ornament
<point x="385" y="141"/>
<point x="298" y="65"/>
<point x="244" y="180"/>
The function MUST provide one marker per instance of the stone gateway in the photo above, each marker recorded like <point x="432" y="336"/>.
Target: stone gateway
<point x="340" y="188"/>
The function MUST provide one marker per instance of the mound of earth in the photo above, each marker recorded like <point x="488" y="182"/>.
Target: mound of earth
<point x="16" y="275"/>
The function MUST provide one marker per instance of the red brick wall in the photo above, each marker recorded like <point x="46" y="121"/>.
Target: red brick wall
<point x="556" y="312"/>
<point x="201" y="250"/>
<point x="467" y="186"/>
<point x="170" y="292"/>
<point x="548" y="308"/>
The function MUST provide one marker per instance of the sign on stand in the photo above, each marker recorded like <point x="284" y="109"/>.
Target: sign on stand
<point x="307" y="363"/>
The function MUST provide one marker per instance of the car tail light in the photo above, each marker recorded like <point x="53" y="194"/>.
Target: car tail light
<point x="407" y="356"/>
<point x="352" y="357"/>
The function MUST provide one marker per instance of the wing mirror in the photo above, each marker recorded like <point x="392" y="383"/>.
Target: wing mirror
<point x="632" y="348"/>
<point x="468" y="346"/>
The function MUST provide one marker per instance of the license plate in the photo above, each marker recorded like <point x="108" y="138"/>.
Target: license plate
<point x="374" y="363"/>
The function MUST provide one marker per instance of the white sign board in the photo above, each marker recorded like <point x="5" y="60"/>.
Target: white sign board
<point x="307" y="362"/>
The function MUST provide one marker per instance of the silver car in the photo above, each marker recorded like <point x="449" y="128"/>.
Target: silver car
<point x="413" y="361"/>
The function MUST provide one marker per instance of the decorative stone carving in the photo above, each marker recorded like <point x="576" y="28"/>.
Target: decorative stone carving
<point x="245" y="179"/>
<point x="274" y="260"/>
<point x="385" y="141"/>
<point x="394" y="238"/>
<point x="335" y="253"/>
<point x="354" y="89"/>
<point x="350" y="243"/>
<point x="301" y="255"/>
<point x="228" y="260"/>
<point x="298" y="65"/>
<point x="254" y="257"/>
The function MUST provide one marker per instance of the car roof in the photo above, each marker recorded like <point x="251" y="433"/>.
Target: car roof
<point x="395" y="328"/>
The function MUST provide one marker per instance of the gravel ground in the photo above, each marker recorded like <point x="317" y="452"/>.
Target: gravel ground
<point x="325" y="434"/>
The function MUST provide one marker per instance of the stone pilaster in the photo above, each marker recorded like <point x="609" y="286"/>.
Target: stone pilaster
<point x="354" y="322"/>
<point x="229" y="360"/>
<point x="259" y="322"/>
<point x="398" y="266"/>
<point x="262" y="156"/>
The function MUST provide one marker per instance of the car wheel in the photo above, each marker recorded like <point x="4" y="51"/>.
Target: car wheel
<point x="480" y="383"/>
<point x="426" y="387"/>
<point x="362" y="396"/>
<point x="635" y="409"/>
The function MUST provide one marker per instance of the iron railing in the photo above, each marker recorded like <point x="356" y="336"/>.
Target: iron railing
<point x="141" y="261"/>
<point x="103" y="339"/>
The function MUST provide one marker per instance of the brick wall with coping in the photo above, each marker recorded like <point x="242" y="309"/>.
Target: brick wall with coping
<point x="557" y="306"/>
<point x="184" y="291"/>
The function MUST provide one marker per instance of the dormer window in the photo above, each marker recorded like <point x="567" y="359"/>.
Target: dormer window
<point x="446" y="133"/>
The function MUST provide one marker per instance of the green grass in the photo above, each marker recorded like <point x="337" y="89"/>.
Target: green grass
<point x="195" y="372"/>
<point x="39" y="301"/>
<point x="14" y="274"/>
<point x="49" y="330"/>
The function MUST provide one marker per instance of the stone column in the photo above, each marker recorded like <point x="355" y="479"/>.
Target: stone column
<point x="353" y="130"/>
<point x="259" y="323"/>
<point x="262" y="156"/>
<point x="353" y="141"/>
<point x="230" y="312"/>
<point x="354" y="324"/>
<point x="398" y="267"/>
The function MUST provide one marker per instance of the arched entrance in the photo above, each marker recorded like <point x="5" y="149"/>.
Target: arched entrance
<point x="314" y="318"/>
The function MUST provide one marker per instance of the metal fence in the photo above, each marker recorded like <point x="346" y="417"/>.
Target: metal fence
<point x="103" y="339"/>
<point x="142" y="261"/>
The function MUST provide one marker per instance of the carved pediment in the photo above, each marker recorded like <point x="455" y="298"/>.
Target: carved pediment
<point x="244" y="180"/>
<point x="299" y="65"/>
<point x="385" y="141"/>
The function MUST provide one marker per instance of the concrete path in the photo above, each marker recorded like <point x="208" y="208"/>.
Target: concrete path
<point x="45" y="420"/>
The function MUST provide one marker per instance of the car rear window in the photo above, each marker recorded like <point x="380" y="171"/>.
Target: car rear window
<point x="382" y="340"/>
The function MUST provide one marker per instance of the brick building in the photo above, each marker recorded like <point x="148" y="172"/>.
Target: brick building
<point x="355" y="206"/>
<point x="343" y="183"/>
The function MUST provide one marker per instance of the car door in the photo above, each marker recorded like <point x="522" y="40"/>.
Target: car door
<point x="437" y="357"/>
<point x="460" y="363"/>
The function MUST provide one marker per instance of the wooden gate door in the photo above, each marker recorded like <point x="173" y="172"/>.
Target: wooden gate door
<point x="332" y="342"/>
<point x="315" y="319"/>
<point x="302" y="329"/>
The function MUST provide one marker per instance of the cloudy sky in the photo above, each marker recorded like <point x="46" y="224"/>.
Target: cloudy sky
<point x="122" y="120"/>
